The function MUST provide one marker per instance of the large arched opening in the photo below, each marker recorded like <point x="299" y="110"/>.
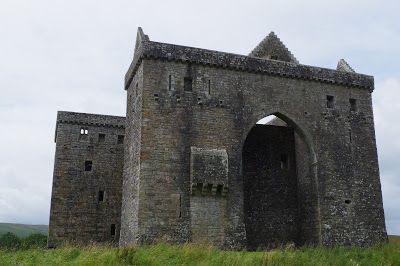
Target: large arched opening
<point x="281" y="205"/>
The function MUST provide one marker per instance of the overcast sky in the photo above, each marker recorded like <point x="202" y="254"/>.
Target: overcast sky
<point x="72" y="55"/>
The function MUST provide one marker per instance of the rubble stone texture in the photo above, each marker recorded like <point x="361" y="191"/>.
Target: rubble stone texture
<point x="196" y="167"/>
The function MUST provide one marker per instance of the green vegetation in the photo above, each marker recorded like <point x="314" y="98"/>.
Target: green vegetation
<point x="23" y="230"/>
<point x="190" y="254"/>
<point x="10" y="241"/>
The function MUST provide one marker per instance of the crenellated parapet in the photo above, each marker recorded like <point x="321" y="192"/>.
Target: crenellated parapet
<point x="147" y="49"/>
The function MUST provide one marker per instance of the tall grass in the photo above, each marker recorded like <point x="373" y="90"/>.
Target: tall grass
<point x="191" y="254"/>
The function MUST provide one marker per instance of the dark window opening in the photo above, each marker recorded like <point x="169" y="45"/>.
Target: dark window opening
<point x="102" y="137"/>
<point x="274" y="57"/>
<point x="180" y="206"/>
<point x="284" y="161"/>
<point x="353" y="104"/>
<point x="209" y="188"/>
<point x="187" y="84"/>
<point x="88" y="165"/>
<point x="169" y="82"/>
<point x="329" y="101"/>
<point x="178" y="98"/>
<point x="155" y="97"/>
<point x="219" y="189"/>
<point x="112" y="229"/>
<point x="347" y="201"/>
<point x="101" y="196"/>
<point x="84" y="131"/>
<point x="199" y="187"/>
<point x="120" y="139"/>
<point x="209" y="87"/>
<point x="350" y="136"/>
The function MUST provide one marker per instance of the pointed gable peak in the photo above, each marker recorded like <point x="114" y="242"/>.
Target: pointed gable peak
<point x="343" y="66"/>
<point x="271" y="47"/>
<point x="140" y="38"/>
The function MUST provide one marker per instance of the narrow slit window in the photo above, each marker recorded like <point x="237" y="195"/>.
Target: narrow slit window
<point x="330" y="101"/>
<point x="209" y="87"/>
<point x="88" y="165"/>
<point x="102" y="137"/>
<point x="180" y="205"/>
<point x="187" y="84"/>
<point x="284" y="161"/>
<point x="101" y="196"/>
<point x="112" y="230"/>
<point x="353" y="104"/>
<point x="169" y="82"/>
<point x="350" y="136"/>
<point x="120" y="139"/>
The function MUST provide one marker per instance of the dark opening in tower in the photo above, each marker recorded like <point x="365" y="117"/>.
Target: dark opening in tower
<point x="280" y="206"/>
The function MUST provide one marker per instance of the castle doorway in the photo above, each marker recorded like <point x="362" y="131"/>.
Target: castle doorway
<point x="280" y="197"/>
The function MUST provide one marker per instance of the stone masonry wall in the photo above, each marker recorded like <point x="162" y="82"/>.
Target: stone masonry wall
<point x="132" y="162"/>
<point x="79" y="214"/>
<point x="218" y="110"/>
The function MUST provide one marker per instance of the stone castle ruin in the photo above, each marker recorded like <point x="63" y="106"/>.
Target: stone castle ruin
<point x="189" y="163"/>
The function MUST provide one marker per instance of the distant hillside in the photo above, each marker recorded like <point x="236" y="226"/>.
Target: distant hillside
<point x="23" y="230"/>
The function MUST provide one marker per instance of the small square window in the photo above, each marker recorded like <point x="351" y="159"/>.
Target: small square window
<point x="284" y="161"/>
<point x="353" y="104"/>
<point x="330" y="101"/>
<point x="187" y="84"/>
<point x="102" y="137"/>
<point x="101" y="196"/>
<point x="120" y="139"/>
<point x="88" y="165"/>
<point x="112" y="230"/>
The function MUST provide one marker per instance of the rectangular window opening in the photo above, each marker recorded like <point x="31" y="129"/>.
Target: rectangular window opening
<point x="169" y="82"/>
<point x="102" y="137"/>
<point x="84" y="131"/>
<point x="353" y="104"/>
<point x="120" y="139"/>
<point x="209" y="87"/>
<point x="187" y="84"/>
<point x="88" y="165"/>
<point x="330" y="101"/>
<point x="101" y="196"/>
<point x="284" y="161"/>
<point x="112" y="229"/>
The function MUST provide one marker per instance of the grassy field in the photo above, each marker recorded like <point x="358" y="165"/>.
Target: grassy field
<point x="23" y="230"/>
<point x="190" y="254"/>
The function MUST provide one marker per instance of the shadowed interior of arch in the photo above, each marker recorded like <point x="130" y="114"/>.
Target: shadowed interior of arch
<point x="280" y="194"/>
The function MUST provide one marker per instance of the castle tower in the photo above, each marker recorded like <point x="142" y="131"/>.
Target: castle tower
<point x="194" y="169"/>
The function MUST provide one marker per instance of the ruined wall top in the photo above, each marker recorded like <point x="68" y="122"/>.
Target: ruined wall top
<point x="146" y="49"/>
